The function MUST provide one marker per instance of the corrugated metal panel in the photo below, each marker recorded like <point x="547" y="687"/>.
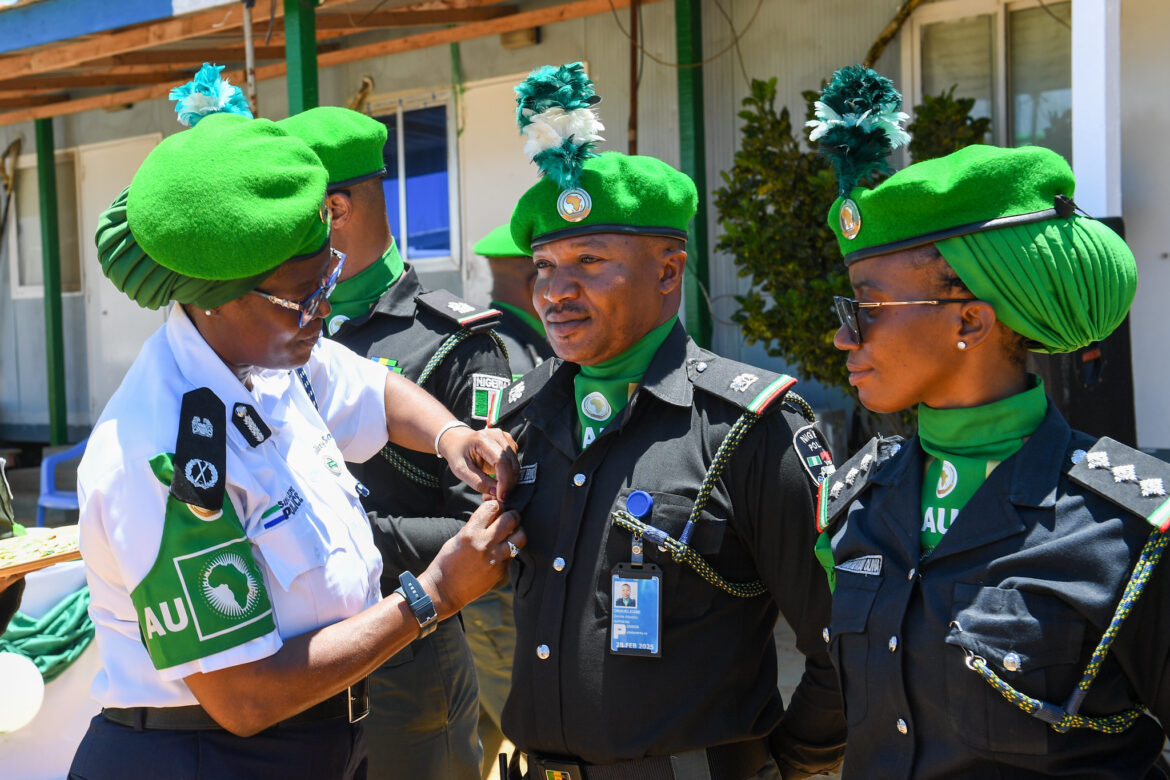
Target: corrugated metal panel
<point x="800" y="42"/>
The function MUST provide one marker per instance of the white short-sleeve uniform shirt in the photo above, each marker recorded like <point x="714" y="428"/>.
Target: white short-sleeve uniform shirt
<point x="319" y="564"/>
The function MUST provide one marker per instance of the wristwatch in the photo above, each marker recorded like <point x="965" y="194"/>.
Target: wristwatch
<point x="420" y="603"/>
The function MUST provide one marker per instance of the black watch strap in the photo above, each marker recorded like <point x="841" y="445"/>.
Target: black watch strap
<point x="420" y="603"/>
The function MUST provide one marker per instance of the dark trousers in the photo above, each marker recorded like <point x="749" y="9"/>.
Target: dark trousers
<point x="424" y="708"/>
<point x="325" y="750"/>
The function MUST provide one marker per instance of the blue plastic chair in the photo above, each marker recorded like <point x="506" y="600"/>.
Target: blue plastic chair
<point x="51" y="497"/>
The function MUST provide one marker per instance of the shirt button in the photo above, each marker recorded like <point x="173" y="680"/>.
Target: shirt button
<point x="578" y="479"/>
<point x="893" y="645"/>
<point x="902" y="727"/>
<point x="825" y="634"/>
<point x="1011" y="662"/>
<point x="542" y="652"/>
<point x="559" y="563"/>
<point x="910" y="574"/>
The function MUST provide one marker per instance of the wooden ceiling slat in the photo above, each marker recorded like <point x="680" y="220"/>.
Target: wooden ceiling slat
<point x="78" y="52"/>
<point x="45" y="82"/>
<point x="519" y="21"/>
<point x="32" y="100"/>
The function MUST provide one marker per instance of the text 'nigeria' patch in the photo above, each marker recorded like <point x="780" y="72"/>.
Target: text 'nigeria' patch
<point x="485" y="399"/>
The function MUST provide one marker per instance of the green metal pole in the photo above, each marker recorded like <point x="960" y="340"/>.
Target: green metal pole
<point x="688" y="20"/>
<point x="300" y="50"/>
<point x="51" y="261"/>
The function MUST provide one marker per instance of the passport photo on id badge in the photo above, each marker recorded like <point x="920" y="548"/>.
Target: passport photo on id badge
<point x="635" y="625"/>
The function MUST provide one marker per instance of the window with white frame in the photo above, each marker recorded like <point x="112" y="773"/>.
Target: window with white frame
<point x="421" y="176"/>
<point x="24" y="228"/>
<point x="1013" y="58"/>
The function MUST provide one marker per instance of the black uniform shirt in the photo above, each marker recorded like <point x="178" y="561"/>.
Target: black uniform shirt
<point x="716" y="679"/>
<point x="1034" y="565"/>
<point x="526" y="348"/>
<point x="412" y="520"/>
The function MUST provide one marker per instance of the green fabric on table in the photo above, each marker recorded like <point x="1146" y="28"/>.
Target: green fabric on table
<point x="348" y="142"/>
<point x="55" y="640"/>
<point x="355" y="296"/>
<point x="602" y="391"/>
<point x="625" y="194"/>
<point x="964" y="446"/>
<point x="499" y="243"/>
<point x="1062" y="283"/>
<point x="228" y="199"/>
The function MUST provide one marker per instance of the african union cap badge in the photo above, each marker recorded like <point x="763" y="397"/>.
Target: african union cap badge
<point x="574" y="205"/>
<point x="850" y="218"/>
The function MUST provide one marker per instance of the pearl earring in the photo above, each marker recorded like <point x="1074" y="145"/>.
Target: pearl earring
<point x="962" y="345"/>
<point x="208" y="313"/>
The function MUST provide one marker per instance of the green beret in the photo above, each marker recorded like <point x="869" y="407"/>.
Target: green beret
<point x="228" y="199"/>
<point x="617" y="193"/>
<point x="976" y="188"/>
<point x="1004" y="220"/>
<point x="499" y="243"/>
<point x="349" y="143"/>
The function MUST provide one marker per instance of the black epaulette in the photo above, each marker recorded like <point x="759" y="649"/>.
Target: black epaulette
<point x="751" y="389"/>
<point x="851" y="479"/>
<point x="1127" y="477"/>
<point x="465" y="315"/>
<point x="516" y="395"/>
<point x="201" y="451"/>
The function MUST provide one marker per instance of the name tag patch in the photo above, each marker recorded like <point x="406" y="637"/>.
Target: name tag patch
<point x="527" y="474"/>
<point x="869" y="565"/>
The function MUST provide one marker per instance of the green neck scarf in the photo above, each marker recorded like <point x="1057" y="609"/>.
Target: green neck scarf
<point x="602" y="391"/>
<point x="355" y="296"/>
<point x="533" y="322"/>
<point x="964" y="446"/>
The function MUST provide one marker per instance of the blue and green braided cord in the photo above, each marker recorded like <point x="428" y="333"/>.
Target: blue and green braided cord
<point x="1069" y="718"/>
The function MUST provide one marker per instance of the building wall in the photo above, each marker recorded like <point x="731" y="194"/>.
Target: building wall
<point x="1145" y="183"/>
<point x="800" y="42"/>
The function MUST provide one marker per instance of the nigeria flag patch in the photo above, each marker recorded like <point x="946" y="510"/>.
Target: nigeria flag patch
<point x="486" y="391"/>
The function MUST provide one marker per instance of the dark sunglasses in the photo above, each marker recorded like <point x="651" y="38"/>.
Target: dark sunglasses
<point x="308" y="307"/>
<point x="848" y="310"/>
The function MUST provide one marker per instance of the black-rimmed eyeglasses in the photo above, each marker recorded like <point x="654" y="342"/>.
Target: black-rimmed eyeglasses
<point x="308" y="307"/>
<point x="848" y="310"/>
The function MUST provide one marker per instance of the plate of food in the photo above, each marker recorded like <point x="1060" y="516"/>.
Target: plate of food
<point x="38" y="548"/>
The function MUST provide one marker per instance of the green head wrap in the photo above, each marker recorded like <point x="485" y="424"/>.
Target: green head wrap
<point x="499" y="243"/>
<point x="212" y="211"/>
<point x="1004" y="220"/>
<point x="616" y="193"/>
<point x="349" y="143"/>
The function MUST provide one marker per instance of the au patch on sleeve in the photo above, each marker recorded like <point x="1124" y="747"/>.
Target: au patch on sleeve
<point x="200" y="451"/>
<point x="814" y="455"/>
<point x="205" y="592"/>
<point x="486" y="392"/>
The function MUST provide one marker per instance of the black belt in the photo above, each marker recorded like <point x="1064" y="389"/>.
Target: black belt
<point x="734" y="761"/>
<point x="352" y="703"/>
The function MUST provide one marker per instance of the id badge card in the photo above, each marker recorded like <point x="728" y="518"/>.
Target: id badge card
<point x="635" y="625"/>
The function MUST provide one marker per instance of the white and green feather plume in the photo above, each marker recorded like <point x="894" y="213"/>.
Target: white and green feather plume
<point x="556" y="115"/>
